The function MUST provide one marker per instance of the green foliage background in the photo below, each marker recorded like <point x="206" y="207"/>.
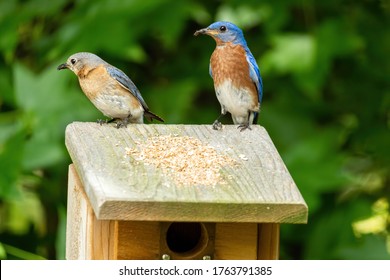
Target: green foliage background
<point x="326" y="72"/>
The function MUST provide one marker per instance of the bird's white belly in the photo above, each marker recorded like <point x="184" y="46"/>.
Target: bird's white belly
<point x="117" y="106"/>
<point x="235" y="100"/>
<point x="112" y="101"/>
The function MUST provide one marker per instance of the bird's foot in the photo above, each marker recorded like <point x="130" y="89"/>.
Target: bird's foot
<point x="123" y="122"/>
<point x="101" y="122"/>
<point x="217" y="125"/>
<point x="242" y="127"/>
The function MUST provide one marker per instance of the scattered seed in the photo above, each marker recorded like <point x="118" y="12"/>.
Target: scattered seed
<point x="186" y="159"/>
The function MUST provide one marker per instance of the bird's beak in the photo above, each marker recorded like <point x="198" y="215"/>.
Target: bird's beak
<point x="204" y="31"/>
<point x="62" y="66"/>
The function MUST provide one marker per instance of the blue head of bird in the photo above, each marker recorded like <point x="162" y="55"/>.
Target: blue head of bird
<point x="223" y="32"/>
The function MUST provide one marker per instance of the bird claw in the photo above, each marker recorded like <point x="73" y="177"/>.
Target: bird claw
<point x="101" y="122"/>
<point x="121" y="123"/>
<point x="242" y="127"/>
<point x="217" y="125"/>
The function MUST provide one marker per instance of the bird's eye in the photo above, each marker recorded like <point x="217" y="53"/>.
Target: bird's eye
<point x="73" y="61"/>
<point x="222" y="28"/>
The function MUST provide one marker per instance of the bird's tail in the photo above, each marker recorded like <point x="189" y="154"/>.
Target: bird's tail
<point x="150" y="116"/>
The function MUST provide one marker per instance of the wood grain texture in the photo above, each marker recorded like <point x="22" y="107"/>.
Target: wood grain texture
<point x="79" y="217"/>
<point x="260" y="189"/>
<point x="104" y="239"/>
<point x="138" y="240"/>
<point x="236" y="241"/>
<point x="268" y="244"/>
<point x="87" y="237"/>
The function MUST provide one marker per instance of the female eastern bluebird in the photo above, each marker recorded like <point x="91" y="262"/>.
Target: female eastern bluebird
<point x="109" y="89"/>
<point x="237" y="80"/>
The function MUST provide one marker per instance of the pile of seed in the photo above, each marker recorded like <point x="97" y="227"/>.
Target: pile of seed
<point x="186" y="159"/>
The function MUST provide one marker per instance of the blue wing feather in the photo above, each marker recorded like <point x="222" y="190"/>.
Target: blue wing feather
<point x="254" y="73"/>
<point x="126" y="83"/>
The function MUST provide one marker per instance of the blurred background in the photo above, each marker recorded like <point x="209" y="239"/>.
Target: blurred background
<point x="326" y="74"/>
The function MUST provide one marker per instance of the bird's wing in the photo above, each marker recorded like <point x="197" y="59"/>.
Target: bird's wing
<point x="126" y="83"/>
<point x="210" y="72"/>
<point x="254" y="73"/>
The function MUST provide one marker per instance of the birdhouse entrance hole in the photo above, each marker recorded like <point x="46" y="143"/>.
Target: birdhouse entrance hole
<point x="187" y="240"/>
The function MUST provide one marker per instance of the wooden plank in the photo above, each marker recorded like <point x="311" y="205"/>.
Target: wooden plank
<point x="268" y="244"/>
<point x="86" y="237"/>
<point x="260" y="189"/>
<point x="138" y="240"/>
<point x="236" y="241"/>
<point x="104" y="239"/>
<point x="79" y="213"/>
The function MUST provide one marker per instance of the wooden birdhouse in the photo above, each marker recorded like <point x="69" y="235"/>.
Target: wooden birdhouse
<point x="176" y="192"/>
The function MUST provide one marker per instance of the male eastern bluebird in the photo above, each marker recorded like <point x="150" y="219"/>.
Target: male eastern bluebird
<point x="109" y="89"/>
<point x="237" y="80"/>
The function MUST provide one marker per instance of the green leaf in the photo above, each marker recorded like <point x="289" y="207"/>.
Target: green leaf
<point x="61" y="234"/>
<point x="19" y="220"/>
<point x="370" y="247"/>
<point x="176" y="100"/>
<point x="11" y="156"/>
<point x="291" y="53"/>
<point x="50" y="105"/>
<point x="3" y="253"/>
<point x="331" y="231"/>
<point x="317" y="166"/>
<point x="21" y="254"/>
<point x="244" y="15"/>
